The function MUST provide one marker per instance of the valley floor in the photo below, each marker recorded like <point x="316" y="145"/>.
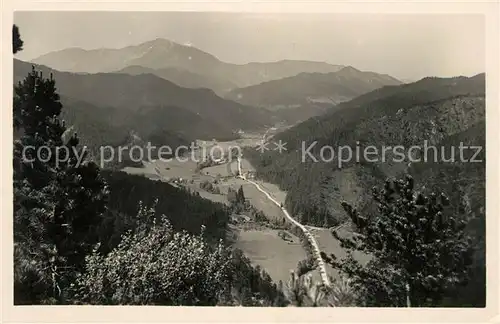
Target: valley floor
<point x="263" y="246"/>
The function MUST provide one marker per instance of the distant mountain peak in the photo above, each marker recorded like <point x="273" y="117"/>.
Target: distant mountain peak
<point x="161" y="53"/>
<point x="348" y="69"/>
<point x="160" y="42"/>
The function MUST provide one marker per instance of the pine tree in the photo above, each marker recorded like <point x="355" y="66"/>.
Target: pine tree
<point x="232" y="196"/>
<point x="58" y="197"/>
<point x="418" y="250"/>
<point x="303" y="291"/>
<point x="241" y="195"/>
<point x="280" y="299"/>
<point x="17" y="42"/>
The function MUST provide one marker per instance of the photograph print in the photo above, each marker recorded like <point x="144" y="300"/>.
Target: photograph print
<point x="249" y="159"/>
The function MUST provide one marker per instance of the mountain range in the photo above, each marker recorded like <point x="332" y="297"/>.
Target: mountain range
<point x="160" y="54"/>
<point x="107" y="106"/>
<point x="134" y="92"/>
<point x="183" y="78"/>
<point x="176" y="93"/>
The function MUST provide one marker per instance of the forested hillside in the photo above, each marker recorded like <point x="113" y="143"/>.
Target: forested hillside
<point x="431" y="109"/>
<point x="445" y="113"/>
<point x="159" y="111"/>
<point x="184" y="78"/>
<point x="129" y="92"/>
<point x="185" y="210"/>
<point x="466" y="186"/>
<point x="100" y="127"/>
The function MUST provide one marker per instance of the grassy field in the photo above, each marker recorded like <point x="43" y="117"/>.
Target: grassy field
<point x="168" y="170"/>
<point x="265" y="248"/>
<point x="272" y="189"/>
<point x="328" y="244"/>
<point x="252" y="194"/>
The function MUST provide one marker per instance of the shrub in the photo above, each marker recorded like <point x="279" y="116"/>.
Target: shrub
<point x="154" y="265"/>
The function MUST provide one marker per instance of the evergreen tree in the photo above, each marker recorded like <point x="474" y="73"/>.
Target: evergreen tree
<point x="241" y="195"/>
<point x="280" y="300"/>
<point x="303" y="291"/>
<point x="418" y="250"/>
<point x="232" y="196"/>
<point x="17" y="42"/>
<point x="59" y="196"/>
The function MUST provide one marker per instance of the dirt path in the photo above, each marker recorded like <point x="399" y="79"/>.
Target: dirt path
<point x="310" y="237"/>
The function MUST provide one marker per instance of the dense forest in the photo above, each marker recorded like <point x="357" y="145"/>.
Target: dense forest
<point x="387" y="117"/>
<point x="185" y="210"/>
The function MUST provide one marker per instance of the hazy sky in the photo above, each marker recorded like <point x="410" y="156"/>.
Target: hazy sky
<point x="404" y="46"/>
